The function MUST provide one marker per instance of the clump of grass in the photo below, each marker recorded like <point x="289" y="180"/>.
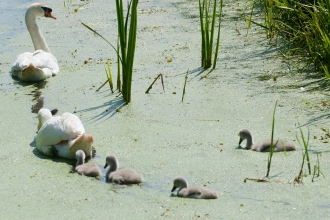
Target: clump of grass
<point x="126" y="46"/>
<point x="317" y="168"/>
<point x="304" y="25"/>
<point x="127" y="41"/>
<point x="272" y="145"/>
<point x="207" y="23"/>
<point x="305" y="144"/>
<point x="109" y="77"/>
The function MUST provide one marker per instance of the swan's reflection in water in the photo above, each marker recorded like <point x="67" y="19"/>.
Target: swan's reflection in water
<point x="38" y="98"/>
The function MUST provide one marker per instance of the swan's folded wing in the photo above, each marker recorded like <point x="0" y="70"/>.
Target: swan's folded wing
<point x="71" y="125"/>
<point x="49" y="133"/>
<point x="22" y="61"/>
<point x="45" y="60"/>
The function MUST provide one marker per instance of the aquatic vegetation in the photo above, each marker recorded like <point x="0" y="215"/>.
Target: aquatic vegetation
<point x="305" y="144"/>
<point x="304" y="26"/>
<point x="272" y="145"/>
<point x="317" y="168"/>
<point x="109" y="77"/>
<point x="207" y="31"/>
<point x="159" y="76"/>
<point x="185" y="83"/>
<point x="127" y="41"/>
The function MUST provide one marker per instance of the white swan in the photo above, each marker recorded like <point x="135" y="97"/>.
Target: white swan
<point x="264" y="146"/>
<point x="62" y="135"/>
<point x="87" y="169"/>
<point x="121" y="176"/>
<point x="41" y="64"/>
<point x="194" y="192"/>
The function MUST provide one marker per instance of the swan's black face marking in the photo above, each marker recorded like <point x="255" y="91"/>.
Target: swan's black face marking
<point x="48" y="12"/>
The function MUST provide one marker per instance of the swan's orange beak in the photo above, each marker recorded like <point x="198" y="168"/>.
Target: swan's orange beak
<point x="49" y="14"/>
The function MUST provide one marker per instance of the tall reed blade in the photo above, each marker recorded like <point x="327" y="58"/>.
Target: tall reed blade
<point x="272" y="145"/>
<point x="218" y="37"/>
<point x="207" y="24"/>
<point x="185" y="83"/>
<point x="109" y="75"/>
<point x="305" y="144"/>
<point x="127" y="43"/>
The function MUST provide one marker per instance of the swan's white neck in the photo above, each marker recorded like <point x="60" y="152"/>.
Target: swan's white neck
<point x="35" y="33"/>
<point x="43" y="116"/>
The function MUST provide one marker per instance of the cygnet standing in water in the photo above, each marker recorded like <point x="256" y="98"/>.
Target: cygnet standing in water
<point x="264" y="146"/>
<point x="194" y="192"/>
<point x="86" y="169"/>
<point x="121" y="176"/>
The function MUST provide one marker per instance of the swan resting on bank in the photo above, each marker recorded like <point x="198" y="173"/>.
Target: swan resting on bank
<point x="194" y="192"/>
<point x="62" y="135"/>
<point x="40" y="64"/>
<point x="264" y="146"/>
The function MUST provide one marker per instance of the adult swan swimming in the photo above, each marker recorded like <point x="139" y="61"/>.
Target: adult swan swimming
<point x="41" y="64"/>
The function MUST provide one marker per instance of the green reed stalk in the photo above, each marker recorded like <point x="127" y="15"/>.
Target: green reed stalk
<point x="272" y="145"/>
<point x="218" y="37"/>
<point x="109" y="75"/>
<point x="317" y="168"/>
<point x="305" y="144"/>
<point x="118" y="68"/>
<point x="127" y="43"/>
<point x="207" y="30"/>
<point x="248" y="22"/>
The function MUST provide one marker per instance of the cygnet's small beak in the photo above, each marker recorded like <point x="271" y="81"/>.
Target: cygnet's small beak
<point x="105" y="166"/>
<point x="174" y="187"/>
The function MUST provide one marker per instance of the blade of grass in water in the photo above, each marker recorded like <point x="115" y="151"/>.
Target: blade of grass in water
<point x="272" y="145"/>
<point x="305" y="145"/>
<point x="109" y="76"/>
<point x="218" y="37"/>
<point x="184" y="86"/>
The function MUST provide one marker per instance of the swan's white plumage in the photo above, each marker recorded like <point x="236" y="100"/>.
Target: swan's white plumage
<point x="62" y="135"/>
<point x="40" y="64"/>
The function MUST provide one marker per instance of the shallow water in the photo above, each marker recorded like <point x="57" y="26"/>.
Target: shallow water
<point x="157" y="134"/>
